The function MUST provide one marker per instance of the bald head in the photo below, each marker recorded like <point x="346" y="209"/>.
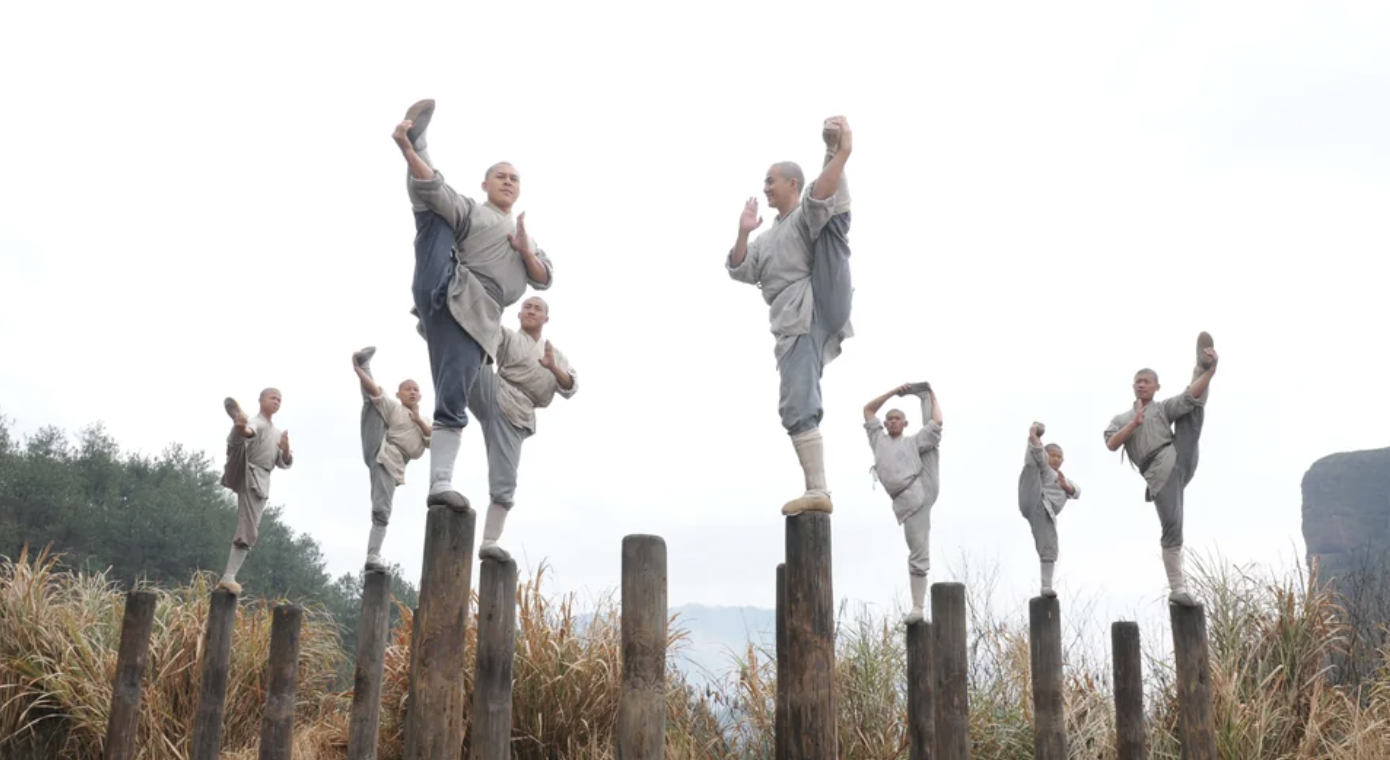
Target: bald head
<point x="270" y="401"/>
<point x="534" y="313"/>
<point x="502" y="183"/>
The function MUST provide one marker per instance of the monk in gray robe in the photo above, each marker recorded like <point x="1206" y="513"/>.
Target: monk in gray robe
<point x="909" y="469"/>
<point x="472" y="260"/>
<point x="1042" y="493"/>
<point x="1161" y="440"/>
<point x="530" y="372"/>
<point x="801" y="265"/>
<point x="255" y="447"/>
<point x="393" y="435"/>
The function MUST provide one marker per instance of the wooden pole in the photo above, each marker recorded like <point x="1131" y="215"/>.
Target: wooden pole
<point x="282" y="676"/>
<point x="1196" y="729"/>
<point x="642" y="704"/>
<point x="952" y="712"/>
<point x="811" y="720"/>
<point x="779" y="719"/>
<point x="1129" y="692"/>
<point x="920" y="691"/>
<point x="365" y="721"/>
<point x="212" y="695"/>
<point x="132" y="663"/>
<point x="1045" y="643"/>
<point x="492" y="684"/>
<point x="434" y="727"/>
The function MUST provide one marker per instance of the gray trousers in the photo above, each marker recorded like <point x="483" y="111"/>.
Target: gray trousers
<point x="799" y="402"/>
<point x="383" y="484"/>
<point x="252" y="488"/>
<point x="1187" y="433"/>
<point x="454" y="355"/>
<point x="1030" y="504"/>
<point x="501" y="438"/>
<point x="917" y="529"/>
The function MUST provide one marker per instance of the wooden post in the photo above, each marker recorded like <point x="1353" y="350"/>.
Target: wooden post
<point x="1196" y="730"/>
<point x="811" y="719"/>
<point x="779" y="718"/>
<point x="952" y="711"/>
<point x="492" y="684"/>
<point x="132" y="663"/>
<point x="282" y="676"/>
<point x="1045" y="643"/>
<point x="1129" y="692"/>
<point x="212" y="695"/>
<point x="434" y="727"/>
<point x="642" y="705"/>
<point x="375" y="626"/>
<point x="920" y="691"/>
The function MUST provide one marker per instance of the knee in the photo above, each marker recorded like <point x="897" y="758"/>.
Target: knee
<point x="240" y="544"/>
<point x="381" y="516"/>
<point x="502" y="499"/>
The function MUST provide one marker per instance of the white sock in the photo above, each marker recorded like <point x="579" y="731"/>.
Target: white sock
<point x="492" y="528"/>
<point x="1172" y="563"/>
<point x="1047" y="568"/>
<point x="919" y="591"/>
<point x="810" y="450"/>
<point x="374" y="542"/>
<point x="234" y="560"/>
<point x="444" y="449"/>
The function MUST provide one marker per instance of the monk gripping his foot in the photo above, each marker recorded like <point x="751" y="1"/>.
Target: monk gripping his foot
<point x="1042" y="492"/>
<point x="255" y="447"/>
<point x="393" y="435"/>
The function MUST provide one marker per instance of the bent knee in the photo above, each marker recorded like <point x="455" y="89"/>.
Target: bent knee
<point x="381" y="516"/>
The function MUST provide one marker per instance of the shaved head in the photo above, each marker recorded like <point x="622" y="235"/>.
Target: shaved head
<point x="496" y="166"/>
<point x="1053" y="448"/>
<point x="1147" y="372"/>
<point x="791" y="172"/>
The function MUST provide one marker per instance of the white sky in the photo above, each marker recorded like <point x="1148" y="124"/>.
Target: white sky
<point x="196" y="202"/>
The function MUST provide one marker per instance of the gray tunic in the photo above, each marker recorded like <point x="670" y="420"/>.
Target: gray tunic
<point x="1150" y="447"/>
<point x="900" y="462"/>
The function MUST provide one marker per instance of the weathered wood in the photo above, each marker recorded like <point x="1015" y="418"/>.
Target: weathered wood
<point x="779" y="718"/>
<point x="1196" y="727"/>
<point x="434" y="728"/>
<point x="132" y="663"/>
<point x="952" y="713"/>
<point x="642" y="704"/>
<point x="492" y="683"/>
<point x="811" y="720"/>
<point x="920" y="691"/>
<point x="282" y="677"/>
<point x="212" y="693"/>
<point x="364" y="723"/>
<point x="1045" y="645"/>
<point x="1129" y="691"/>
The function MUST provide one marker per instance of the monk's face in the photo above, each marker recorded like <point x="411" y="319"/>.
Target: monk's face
<point x="535" y="312"/>
<point x="409" y="394"/>
<point x="1054" y="457"/>
<point x="781" y="192"/>
<point x="1145" y="385"/>
<point x="502" y="185"/>
<point x="895" y="422"/>
<point x="270" y="401"/>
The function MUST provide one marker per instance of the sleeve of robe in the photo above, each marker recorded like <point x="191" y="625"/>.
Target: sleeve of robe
<point x="549" y="269"/>
<point x="875" y="430"/>
<point x="443" y="199"/>
<point x="929" y="437"/>
<point x="280" y="458"/>
<point x="1117" y="422"/>
<point x="1036" y="457"/>
<point x="816" y="214"/>
<point x="1076" y="489"/>
<point x="749" y="269"/>
<point x="1179" y="406"/>
<point x="564" y="363"/>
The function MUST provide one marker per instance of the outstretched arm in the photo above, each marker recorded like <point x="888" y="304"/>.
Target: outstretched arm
<point x="935" y="412"/>
<point x="418" y="168"/>
<point x="1199" y="386"/>
<point x="871" y="408"/>
<point x="829" y="180"/>
<point x="369" y="385"/>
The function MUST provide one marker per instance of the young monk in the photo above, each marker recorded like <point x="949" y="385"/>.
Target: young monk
<point x="471" y="261"/>
<point x="530" y="372"/>
<point x="801" y="265"/>
<point x="255" y="448"/>
<point x="1042" y="492"/>
<point x="1161" y="439"/>
<point x="909" y="468"/>
<point x="393" y="435"/>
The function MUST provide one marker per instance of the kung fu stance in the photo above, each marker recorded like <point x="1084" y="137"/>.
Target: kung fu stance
<point x="909" y="468"/>
<point x="393" y="435"/>
<point x="471" y="260"/>
<point x="802" y="267"/>
<point x="1042" y="492"/>
<point x="255" y="447"/>
<point x="1161" y="440"/>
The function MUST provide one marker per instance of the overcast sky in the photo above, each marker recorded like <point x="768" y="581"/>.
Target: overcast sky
<point x="201" y="201"/>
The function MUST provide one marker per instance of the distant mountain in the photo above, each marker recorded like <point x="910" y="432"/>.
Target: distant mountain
<point x="717" y="634"/>
<point x="1346" y="510"/>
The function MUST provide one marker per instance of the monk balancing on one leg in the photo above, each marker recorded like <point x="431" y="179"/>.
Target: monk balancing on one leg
<point x="1161" y="439"/>
<point x="1042" y="492"/>
<point x="909" y="468"/>
<point x="530" y="372"/>
<point x="802" y="267"/>
<point x="471" y="260"/>
<point x="255" y="448"/>
<point x="393" y="435"/>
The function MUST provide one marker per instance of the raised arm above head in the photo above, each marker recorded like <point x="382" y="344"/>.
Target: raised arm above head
<point x="369" y="385"/>
<point x="828" y="182"/>
<point x="871" y="408"/>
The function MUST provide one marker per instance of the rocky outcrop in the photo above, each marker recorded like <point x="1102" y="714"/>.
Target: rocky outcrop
<point x="1346" y="509"/>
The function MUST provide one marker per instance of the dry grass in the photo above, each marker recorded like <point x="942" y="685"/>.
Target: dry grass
<point x="1272" y="637"/>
